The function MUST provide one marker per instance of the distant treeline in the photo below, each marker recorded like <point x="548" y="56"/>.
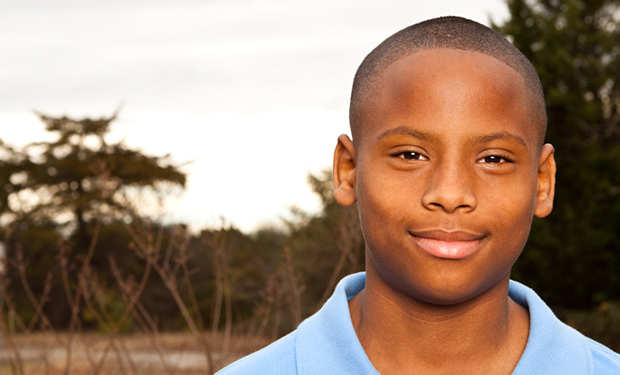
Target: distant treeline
<point x="78" y="248"/>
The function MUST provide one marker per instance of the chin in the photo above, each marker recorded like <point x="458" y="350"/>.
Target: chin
<point x="441" y="290"/>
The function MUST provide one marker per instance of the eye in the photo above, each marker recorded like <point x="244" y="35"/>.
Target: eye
<point x="411" y="155"/>
<point x="495" y="159"/>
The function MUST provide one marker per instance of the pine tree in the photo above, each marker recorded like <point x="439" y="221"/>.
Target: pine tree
<point x="59" y="193"/>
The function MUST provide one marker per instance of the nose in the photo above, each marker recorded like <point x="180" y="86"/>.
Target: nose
<point x="450" y="189"/>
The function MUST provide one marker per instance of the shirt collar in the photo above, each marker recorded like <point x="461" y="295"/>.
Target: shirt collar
<point x="552" y="346"/>
<point x="327" y="343"/>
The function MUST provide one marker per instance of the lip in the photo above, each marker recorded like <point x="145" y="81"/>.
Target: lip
<point x="448" y="244"/>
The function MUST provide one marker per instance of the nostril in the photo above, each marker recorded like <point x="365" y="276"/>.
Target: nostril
<point x="449" y="189"/>
<point x="465" y="201"/>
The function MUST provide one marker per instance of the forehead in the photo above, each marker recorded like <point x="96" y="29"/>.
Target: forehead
<point x="468" y="90"/>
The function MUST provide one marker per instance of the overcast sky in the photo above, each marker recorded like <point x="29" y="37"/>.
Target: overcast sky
<point x="254" y="92"/>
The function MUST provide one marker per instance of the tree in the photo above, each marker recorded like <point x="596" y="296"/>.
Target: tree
<point x="73" y="186"/>
<point x="573" y="256"/>
<point x="81" y="174"/>
<point x="327" y="246"/>
<point x="11" y="161"/>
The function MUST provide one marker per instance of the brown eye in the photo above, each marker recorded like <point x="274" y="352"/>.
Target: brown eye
<point x="409" y="155"/>
<point x="494" y="159"/>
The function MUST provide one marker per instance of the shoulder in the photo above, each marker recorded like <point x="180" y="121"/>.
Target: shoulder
<point x="604" y="360"/>
<point x="555" y="348"/>
<point x="277" y="358"/>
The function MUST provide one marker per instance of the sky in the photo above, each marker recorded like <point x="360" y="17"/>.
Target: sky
<point x="248" y="95"/>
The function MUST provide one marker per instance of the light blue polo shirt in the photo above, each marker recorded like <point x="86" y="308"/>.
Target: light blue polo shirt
<point x="326" y="343"/>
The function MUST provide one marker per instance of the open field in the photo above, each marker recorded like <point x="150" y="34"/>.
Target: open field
<point x="168" y="353"/>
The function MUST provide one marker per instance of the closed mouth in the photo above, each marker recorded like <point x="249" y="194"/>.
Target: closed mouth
<point x="448" y="244"/>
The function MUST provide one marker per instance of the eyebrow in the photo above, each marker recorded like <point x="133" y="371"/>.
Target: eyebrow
<point x="403" y="130"/>
<point x="503" y="135"/>
<point x="500" y="135"/>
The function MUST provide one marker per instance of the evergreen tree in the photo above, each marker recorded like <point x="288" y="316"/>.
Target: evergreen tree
<point x="68" y="187"/>
<point x="11" y="177"/>
<point x="81" y="174"/>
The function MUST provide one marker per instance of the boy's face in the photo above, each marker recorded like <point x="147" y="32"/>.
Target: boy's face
<point x="448" y="173"/>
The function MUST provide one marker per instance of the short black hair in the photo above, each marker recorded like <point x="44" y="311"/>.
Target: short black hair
<point x="443" y="32"/>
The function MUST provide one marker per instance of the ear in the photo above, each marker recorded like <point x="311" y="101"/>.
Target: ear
<point x="344" y="171"/>
<point x="545" y="190"/>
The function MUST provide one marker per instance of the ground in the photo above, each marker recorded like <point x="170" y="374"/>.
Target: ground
<point x="168" y="353"/>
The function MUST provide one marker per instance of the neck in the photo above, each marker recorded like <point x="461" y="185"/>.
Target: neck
<point x="403" y="335"/>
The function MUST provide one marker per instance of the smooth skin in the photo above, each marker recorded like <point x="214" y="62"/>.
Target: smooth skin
<point x="447" y="171"/>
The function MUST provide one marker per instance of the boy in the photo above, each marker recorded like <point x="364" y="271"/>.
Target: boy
<point x="448" y="167"/>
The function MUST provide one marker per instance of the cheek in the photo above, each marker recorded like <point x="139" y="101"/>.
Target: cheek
<point x="509" y="209"/>
<point x="383" y="195"/>
<point x="373" y="207"/>
<point x="505" y="194"/>
<point x="379" y="204"/>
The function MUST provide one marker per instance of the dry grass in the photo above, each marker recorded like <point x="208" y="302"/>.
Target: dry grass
<point x="34" y="346"/>
<point x="171" y="353"/>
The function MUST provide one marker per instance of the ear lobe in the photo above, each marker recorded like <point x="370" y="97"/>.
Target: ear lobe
<point x="545" y="190"/>
<point x="344" y="171"/>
